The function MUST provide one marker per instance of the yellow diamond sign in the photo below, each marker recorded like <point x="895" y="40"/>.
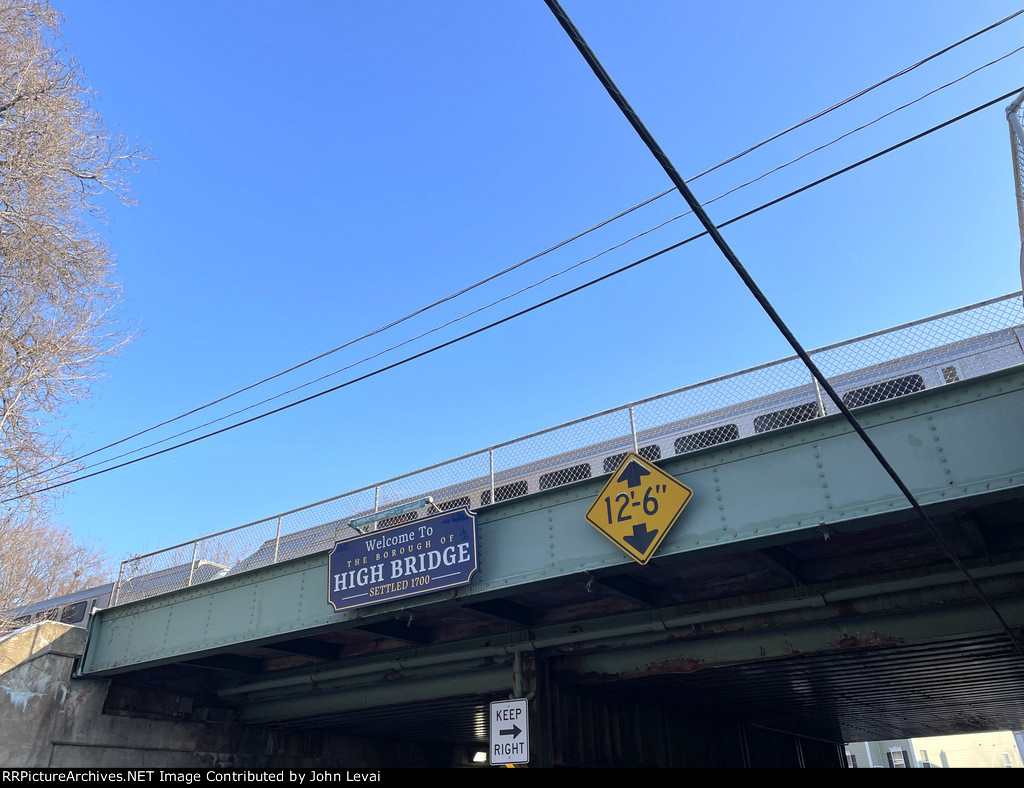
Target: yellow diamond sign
<point x="638" y="506"/>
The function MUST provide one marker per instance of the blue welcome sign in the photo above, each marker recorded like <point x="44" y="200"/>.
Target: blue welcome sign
<point x="431" y="554"/>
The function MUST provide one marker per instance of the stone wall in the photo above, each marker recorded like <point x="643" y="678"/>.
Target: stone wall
<point x="49" y="719"/>
<point x="35" y="672"/>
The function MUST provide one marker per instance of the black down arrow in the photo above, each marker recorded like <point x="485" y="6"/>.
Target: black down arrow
<point x="641" y="538"/>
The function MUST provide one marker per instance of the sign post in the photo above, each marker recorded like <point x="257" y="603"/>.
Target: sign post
<point x="510" y="732"/>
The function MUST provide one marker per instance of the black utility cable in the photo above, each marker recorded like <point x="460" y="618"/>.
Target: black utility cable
<point x="546" y="302"/>
<point x="349" y="343"/>
<point x="521" y="263"/>
<point x="860" y="93"/>
<point x="77" y="469"/>
<point x="734" y="261"/>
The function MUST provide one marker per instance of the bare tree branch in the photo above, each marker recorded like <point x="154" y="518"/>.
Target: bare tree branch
<point x="58" y="292"/>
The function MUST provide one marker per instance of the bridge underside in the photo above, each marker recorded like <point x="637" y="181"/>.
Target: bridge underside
<point x="856" y="633"/>
<point x="850" y="625"/>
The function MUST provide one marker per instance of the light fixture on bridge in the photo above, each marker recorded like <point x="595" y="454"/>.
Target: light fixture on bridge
<point x="394" y="511"/>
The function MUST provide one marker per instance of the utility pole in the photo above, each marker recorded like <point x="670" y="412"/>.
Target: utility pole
<point x="1015" y="117"/>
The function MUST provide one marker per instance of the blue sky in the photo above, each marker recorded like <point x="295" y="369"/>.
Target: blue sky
<point x="323" y="168"/>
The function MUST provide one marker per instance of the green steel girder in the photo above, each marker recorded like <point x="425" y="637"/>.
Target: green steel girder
<point x="328" y="698"/>
<point x="229" y="662"/>
<point x="639" y="645"/>
<point x="963" y="441"/>
<point x="901" y="616"/>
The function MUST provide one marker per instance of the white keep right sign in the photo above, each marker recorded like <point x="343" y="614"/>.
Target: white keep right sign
<point x="510" y="732"/>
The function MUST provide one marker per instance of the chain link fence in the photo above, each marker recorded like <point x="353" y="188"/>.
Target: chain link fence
<point x="916" y="356"/>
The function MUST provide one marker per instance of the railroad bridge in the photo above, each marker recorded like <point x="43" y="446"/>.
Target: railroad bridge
<point x="798" y="603"/>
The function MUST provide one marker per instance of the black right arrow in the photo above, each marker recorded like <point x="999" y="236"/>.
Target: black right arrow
<point x="641" y="538"/>
<point x="632" y="474"/>
<point x="514" y="730"/>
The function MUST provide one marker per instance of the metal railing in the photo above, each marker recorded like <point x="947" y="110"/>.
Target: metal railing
<point x="922" y="354"/>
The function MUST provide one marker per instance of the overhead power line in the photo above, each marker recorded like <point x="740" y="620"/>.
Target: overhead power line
<point x="529" y="309"/>
<point x="531" y="258"/>
<point x="78" y="469"/>
<point x="723" y="246"/>
<point x="860" y="93"/>
<point x="497" y="301"/>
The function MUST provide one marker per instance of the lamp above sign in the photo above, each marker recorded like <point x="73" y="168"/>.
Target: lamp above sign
<point x="427" y="555"/>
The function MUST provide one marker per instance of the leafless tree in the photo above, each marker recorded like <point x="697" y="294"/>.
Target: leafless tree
<point x="59" y="166"/>
<point x="42" y="560"/>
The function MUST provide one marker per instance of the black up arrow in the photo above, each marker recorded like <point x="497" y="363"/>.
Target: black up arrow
<point x="514" y="731"/>
<point x="641" y="538"/>
<point x="632" y="474"/>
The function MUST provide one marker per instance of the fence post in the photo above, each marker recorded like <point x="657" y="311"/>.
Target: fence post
<point x="192" y="568"/>
<point x="821" y="402"/>
<point x="117" y="585"/>
<point x="491" y="453"/>
<point x="277" y="542"/>
<point x="632" y="428"/>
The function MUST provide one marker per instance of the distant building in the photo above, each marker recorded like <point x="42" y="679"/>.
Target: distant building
<point x="888" y="754"/>
<point x="998" y="750"/>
